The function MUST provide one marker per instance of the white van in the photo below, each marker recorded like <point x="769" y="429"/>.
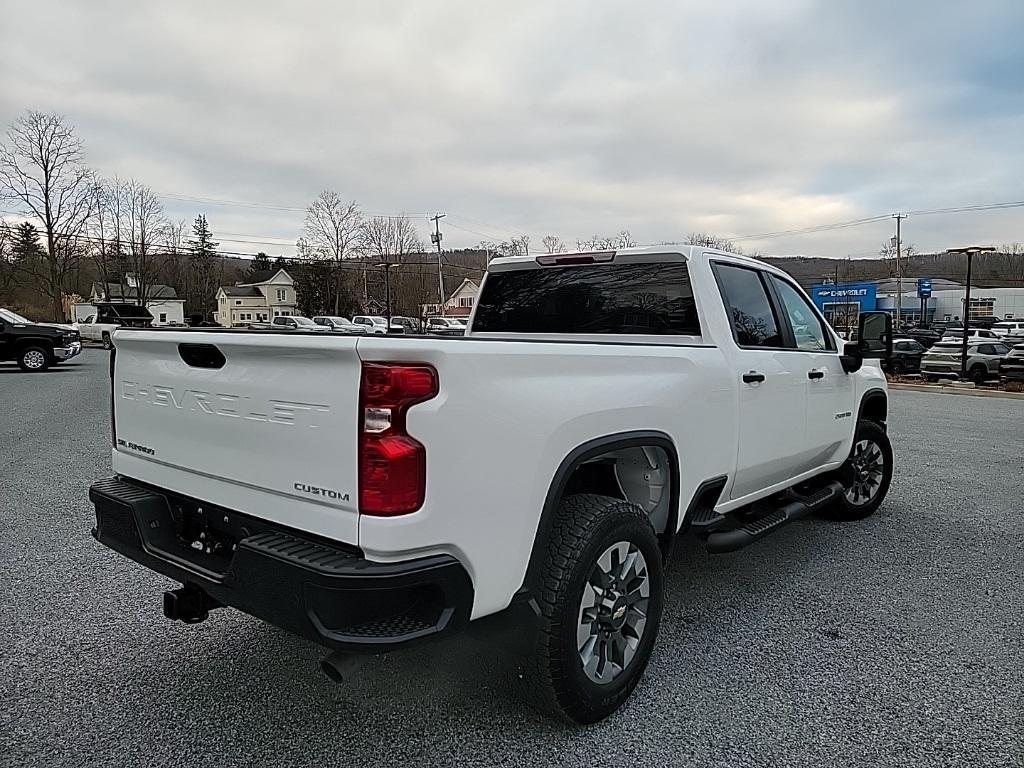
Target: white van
<point x="1009" y="328"/>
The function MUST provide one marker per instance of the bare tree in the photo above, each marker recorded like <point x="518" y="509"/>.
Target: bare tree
<point x="888" y="254"/>
<point x="552" y="244"/>
<point x="42" y="170"/>
<point x="390" y="240"/>
<point x="709" y="240"/>
<point x="8" y="261"/>
<point x="143" y="229"/>
<point x="332" y="231"/>
<point x="1011" y="263"/>
<point x="622" y="239"/>
<point x="516" y="246"/>
<point x="101" y="228"/>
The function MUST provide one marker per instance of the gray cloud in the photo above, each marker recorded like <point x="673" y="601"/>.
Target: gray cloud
<point x="571" y="118"/>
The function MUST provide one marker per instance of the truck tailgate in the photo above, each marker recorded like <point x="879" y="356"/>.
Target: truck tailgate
<point x="271" y="431"/>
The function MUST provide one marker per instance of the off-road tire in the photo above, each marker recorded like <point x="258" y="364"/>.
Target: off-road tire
<point x="845" y="508"/>
<point x="587" y="525"/>
<point x="107" y="343"/>
<point x="35" y="359"/>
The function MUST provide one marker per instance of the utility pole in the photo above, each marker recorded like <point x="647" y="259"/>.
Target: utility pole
<point x="435" y="237"/>
<point x="899" y="272"/>
<point x="387" y="290"/>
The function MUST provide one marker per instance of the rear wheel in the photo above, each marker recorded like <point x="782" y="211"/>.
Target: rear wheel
<point x="866" y="475"/>
<point x="107" y="343"/>
<point x="34" y="359"/>
<point x="601" y="600"/>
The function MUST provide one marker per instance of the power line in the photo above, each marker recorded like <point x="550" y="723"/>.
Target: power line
<point x="268" y="206"/>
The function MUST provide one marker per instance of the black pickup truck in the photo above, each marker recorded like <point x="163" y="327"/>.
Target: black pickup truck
<point x="36" y="346"/>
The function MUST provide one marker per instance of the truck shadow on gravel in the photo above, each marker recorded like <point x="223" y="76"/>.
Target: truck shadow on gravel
<point x="247" y="671"/>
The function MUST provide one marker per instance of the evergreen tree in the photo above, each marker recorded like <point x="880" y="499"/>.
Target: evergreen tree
<point x="202" y="266"/>
<point x="260" y="263"/>
<point x="26" y="243"/>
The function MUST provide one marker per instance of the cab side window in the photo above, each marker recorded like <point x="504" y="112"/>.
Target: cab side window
<point x="746" y="300"/>
<point x="808" y="331"/>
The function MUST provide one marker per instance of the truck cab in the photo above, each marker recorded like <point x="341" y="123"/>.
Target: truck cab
<point x="36" y="346"/>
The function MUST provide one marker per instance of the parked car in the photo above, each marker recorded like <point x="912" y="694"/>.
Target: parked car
<point x="410" y="324"/>
<point x="906" y="357"/>
<point x="974" y="334"/>
<point x="377" y="325"/>
<point x="445" y="326"/>
<point x="1006" y="328"/>
<point x="923" y="336"/>
<point x="339" y="324"/>
<point x="109" y="317"/>
<point x="378" y="528"/>
<point x="943" y="360"/>
<point x="296" y="323"/>
<point x="36" y="346"/>
<point x="1011" y="367"/>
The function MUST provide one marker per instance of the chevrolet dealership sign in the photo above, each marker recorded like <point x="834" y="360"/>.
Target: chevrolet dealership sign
<point x="863" y="294"/>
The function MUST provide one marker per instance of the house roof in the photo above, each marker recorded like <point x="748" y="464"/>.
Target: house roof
<point x="241" y="291"/>
<point x="260" y="277"/>
<point x="116" y="291"/>
<point x="467" y="282"/>
<point x="264" y="276"/>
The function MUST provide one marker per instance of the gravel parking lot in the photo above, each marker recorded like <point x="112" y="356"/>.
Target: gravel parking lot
<point x="895" y="641"/>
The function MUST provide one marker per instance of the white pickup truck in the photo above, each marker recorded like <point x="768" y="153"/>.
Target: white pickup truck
<point x="100" y="326"/>
<point x="367" y="492"/>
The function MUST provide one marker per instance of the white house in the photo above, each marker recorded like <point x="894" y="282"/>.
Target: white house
<point x="459" y="304"/>
<point x="162" y="302"/>
<point x="268" y="294"/>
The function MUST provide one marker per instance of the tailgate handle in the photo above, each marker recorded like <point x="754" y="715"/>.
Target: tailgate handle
<point x="201" y="355"/>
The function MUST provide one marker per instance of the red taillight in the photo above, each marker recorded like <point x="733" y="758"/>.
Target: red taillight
<point x="392" y="464"/>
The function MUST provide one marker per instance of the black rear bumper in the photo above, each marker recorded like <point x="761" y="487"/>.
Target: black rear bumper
<point x="323" y="591"/>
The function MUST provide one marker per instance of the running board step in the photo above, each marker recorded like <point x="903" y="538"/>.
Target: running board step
<point x="802" y="506"/>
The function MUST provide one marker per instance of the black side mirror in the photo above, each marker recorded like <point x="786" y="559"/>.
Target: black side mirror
<point x="874" y="335"/>
<point x="851" y="358"/>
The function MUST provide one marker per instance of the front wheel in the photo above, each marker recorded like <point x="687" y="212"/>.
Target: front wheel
<point x="34" y="359"/>
<point x="866" y="475"/>
<point x="979" y="374"/>
<point x="107" y="343"/>
<point x="601" y="600"/>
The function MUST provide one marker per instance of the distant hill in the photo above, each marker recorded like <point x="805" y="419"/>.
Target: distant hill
<point x="990" y="270"/>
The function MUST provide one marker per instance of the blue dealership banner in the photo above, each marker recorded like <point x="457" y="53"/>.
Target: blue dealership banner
<point x="863" y="294"/>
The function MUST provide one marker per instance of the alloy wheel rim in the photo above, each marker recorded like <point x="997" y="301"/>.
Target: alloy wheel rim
<point x="613" y="612"/>
<point x="867" y="466"/>
<point x="34" y="359"/>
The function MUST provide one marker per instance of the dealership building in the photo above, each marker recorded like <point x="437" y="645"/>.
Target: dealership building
<point x="923" y="298"/>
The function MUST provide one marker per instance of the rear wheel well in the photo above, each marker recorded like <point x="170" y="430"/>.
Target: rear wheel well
<point x="640" y="467"/>
<point x="640" y="475"/>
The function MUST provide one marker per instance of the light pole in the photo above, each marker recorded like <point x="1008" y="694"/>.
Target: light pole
<point x="387" y="290"/>
<point x="970" y="250"/>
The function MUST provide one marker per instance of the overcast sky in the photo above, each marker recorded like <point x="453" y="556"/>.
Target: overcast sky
<point x="571" y="118"/>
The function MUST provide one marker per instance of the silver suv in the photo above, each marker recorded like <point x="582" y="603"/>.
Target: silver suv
<point x="943" y="360"/>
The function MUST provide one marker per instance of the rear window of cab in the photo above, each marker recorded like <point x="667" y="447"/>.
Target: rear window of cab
<point x="642" y="299"/>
